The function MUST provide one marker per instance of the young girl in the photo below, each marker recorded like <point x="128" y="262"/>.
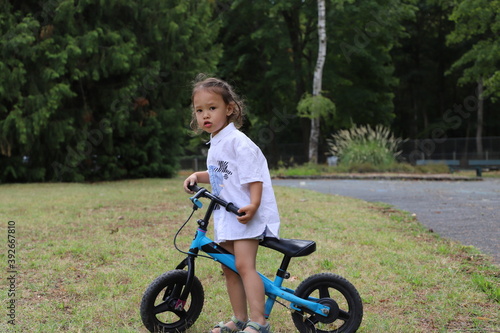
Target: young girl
<point x="238" y="173"/>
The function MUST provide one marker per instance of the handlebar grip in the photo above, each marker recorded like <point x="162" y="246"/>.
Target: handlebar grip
<point x="233" y="209"/>
<point x="194" y="187"/>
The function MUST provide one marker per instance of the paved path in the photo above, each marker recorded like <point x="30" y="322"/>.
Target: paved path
<point x="468" y="212"/>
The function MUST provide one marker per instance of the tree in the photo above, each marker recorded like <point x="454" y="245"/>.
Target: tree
<point x="478" y="22"/>
<point x="270" y="50"/>
<point x="361" y="79"/>
<point x="260" y="60"/>
<point x="424" y="92"/>
<point x="95" y="90"/>
<point x="318" y="80"/>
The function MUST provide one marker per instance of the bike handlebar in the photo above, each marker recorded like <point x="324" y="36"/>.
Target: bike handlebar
<point x="194" y="187"/>
<point x="202" y="192"/>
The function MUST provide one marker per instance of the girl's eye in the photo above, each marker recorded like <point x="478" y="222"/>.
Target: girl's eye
<point x="198" y="110"/>
<point x="212" y="108"/>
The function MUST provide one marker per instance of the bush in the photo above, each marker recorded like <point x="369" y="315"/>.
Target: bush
<point x="364" y="145"/>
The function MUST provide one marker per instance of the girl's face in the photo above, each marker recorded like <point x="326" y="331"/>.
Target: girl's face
<point x="211" y="111"/>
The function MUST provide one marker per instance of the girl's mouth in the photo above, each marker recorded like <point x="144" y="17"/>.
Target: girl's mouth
<point x="207" y="124"/>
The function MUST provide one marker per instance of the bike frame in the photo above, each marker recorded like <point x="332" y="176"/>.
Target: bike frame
<point x="273" y="289"/>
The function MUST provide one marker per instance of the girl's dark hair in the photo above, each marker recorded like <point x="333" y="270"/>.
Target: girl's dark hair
<point x="227" y="93"/>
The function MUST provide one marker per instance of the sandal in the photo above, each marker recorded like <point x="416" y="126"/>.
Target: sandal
<point x="240" y="325"/>
<point x="258" y="328"/>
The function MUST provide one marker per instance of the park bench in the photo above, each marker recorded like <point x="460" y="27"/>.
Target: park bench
<point x="478" y="165"/>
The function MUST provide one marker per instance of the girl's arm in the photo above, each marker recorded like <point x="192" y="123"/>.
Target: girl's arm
<point x="255" y="197"/>
<point x="195" y="178"/>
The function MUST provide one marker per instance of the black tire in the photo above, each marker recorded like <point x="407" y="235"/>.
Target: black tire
<point x="340" y="295"/>
<point x="158" y="311"/>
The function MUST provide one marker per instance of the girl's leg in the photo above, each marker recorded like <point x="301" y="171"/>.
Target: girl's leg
<point x="236" y="292"/>
<point x="245" y="252"/>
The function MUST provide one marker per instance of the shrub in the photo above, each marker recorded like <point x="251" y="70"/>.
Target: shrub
<point x="365" y="145"/>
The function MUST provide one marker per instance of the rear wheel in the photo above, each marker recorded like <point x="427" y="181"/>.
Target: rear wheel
<point x="160" y="310"/>
<point x="346" y="308"/>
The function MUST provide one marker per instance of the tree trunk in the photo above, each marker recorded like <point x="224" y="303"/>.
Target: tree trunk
<point x="317" y="82"/>
<point x="480" y="112"/>
<point x="292" y="21"/>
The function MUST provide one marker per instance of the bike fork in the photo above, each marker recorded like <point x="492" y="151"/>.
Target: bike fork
<point x="189" y="263"/>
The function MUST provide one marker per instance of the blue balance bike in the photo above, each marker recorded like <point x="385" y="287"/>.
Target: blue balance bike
<point x="323" y="302"/>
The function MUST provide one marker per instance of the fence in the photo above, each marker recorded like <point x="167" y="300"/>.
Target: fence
<point x="460" y="149"/>
<point x="286" y="153"/>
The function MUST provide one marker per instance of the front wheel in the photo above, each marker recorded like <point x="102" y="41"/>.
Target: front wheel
<point x="160" y="310"/>
<point x="346" y="308"/>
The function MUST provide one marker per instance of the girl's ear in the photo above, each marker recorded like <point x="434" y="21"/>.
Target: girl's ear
<point x="230" y="109"/>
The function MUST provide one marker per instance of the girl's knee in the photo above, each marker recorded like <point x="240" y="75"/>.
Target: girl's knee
<point x="245" y="268"/>
<point x="227" y="271"/>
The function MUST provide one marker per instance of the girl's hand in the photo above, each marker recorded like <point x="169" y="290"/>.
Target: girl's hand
<point x="191" y="180"/>
<point x="249" y="213"/>
<point x="255" y="197"/>
<point x="195" y="178"/>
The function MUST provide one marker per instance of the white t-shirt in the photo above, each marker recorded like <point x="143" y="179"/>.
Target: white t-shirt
<point x="234" y="161"/>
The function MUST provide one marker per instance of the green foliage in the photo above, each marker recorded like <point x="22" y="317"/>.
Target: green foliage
<point x="365" y="145"/>
<point x="265" y="65"/>
<point x="271" y="58"/>
<point x="315" y="106"/>
<point x="478" y="22"/>
<point x="99" y="90"/>
<point x="429" y="94"/>
<point x="92" y="90"/>
<point x="362" y="37"/>
<point x="366" y="152"/>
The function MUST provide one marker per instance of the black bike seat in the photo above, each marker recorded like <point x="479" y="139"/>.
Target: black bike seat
<point x="290" y="247"/>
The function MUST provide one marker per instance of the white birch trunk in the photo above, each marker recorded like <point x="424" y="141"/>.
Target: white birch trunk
<point x="317" y="83"/>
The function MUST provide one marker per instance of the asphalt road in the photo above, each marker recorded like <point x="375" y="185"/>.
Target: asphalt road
<point x="465" y="211"/>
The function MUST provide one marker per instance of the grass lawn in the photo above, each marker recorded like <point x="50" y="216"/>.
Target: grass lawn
<point x="85" y="253"/>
